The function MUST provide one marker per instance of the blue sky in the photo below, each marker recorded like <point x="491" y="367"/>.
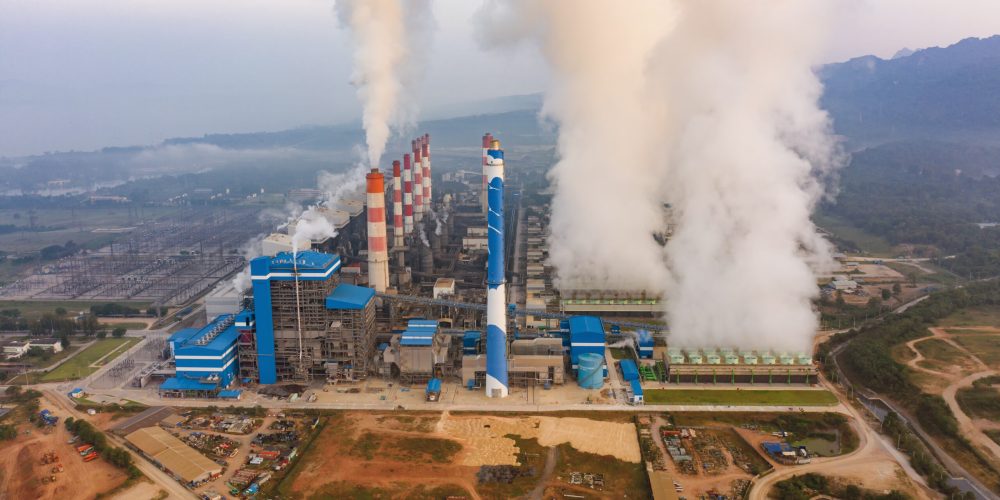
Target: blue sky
<point x="82" y="74"/>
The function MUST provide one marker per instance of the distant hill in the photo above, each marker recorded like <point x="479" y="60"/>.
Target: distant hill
<point x="948" y="93"/>
<point x="449" y="132"/>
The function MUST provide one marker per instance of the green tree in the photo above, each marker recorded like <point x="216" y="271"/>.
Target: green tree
<point x="102" y="334"/>
<point x="60" y="311"/>
<point x="896" y="289"/>
<point x="118" y="332"/>
<point x="886" y="294"/>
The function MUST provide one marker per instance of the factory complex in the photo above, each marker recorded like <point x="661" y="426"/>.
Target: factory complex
<point x="431" y="301"/>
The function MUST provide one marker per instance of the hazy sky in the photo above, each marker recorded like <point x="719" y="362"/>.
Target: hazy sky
<point x="82" y="74"/>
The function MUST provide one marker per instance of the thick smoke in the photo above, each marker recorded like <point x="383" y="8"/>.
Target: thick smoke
<point x="312" y="224"/>
<point x="385" y="32"/>
<point x="748" y="149"/>
<point x="605" y="208"/>
<point x="710" y="106"/>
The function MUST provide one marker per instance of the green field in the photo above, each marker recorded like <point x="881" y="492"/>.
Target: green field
<point x="33" y="309"/>
<point x="867" y="242"/>
<point x="789" y="397"/>
<point x="974" y="316"/>
<point x="939" y="354"/>
<point x="79" y="365"/>
<point x="985" y="347"/>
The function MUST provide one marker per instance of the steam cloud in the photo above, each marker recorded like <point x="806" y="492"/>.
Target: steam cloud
<point x="710" y="106"/>
<point x="598" y="96"/>
<point x="384" y="31"/>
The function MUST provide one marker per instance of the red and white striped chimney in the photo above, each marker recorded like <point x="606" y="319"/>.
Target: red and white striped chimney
<point x="425" y="152"/>
<point x="418" y="187"/>
<point x="397" y="206"/>
<point x="378" y="252"/>
<point x="407" y="195"/>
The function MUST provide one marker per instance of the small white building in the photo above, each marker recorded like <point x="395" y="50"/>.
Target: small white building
<point x="49" y="344"/>
<point x="843" y="284"/>
<point x="14" y="349"/>
<point x="444" y="287"/>
<point x="474" y="243"/>
<point x="275" y="243"/>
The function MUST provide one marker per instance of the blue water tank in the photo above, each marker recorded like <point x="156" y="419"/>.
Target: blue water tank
<point x="591" y="373"/>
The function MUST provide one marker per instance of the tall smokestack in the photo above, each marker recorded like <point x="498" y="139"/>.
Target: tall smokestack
<point x="496" y="298"/>
<point x="397" y="205"/>
<point x="418" y="187"/>
<point x="425" y="152"/>
<point x="407" y="195"/>
<point x="483" y="202"/>
<point x="378" y="255"/>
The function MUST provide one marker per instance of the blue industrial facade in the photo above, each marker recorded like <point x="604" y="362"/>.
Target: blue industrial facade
<point x="419" y="333"/>
<point x="645" y="344"/>
<point x="586" y="335"/>
<point x="306" y="266"/>
<point x="205" y="358"/>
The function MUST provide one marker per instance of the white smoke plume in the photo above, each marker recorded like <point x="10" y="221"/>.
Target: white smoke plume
<point x="250" y="250"/>
<point x="386" y="34"/>
<point x="710" y="106"/>
<point x="605" y="208"/>
<point x="313" y="224"/>
<point x="748" y="150"/>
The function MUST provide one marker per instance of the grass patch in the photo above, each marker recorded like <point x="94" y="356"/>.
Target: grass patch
<point x="987" y="315"/>
<point x="79" y="365"/>
<point x="939" y="354"/>
<point x="980" y="402"/>
<point x="366" y="446"/>
<point x="740" y="397"/>
<point x="422" y="449"/>
<point x="620" y="353"/>
<point x="843" y="229"/>
<point x="128" y="325"/>
<point x="34" y="309"/>
<point x="985" y="347"/>
<point x="355" y="491"/>
<point x="621" y="479"/>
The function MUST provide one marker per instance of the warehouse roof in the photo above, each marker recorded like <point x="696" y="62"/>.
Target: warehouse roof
<point x="347" y="296"/>
<point x="148" y="418"/>
<point x="185" y="384"/>
<point x="586" y="327"/>
<point x="419" y="332"/>
<point x="180" y="459"/>
<point x="182" y="335"/>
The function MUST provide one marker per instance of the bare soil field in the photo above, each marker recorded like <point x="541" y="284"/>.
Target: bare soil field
<point x="22" y="471"/>
<point x="415" y="455"/>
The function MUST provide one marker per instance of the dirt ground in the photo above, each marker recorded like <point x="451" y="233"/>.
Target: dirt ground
<point x="482" y="439"/>
<point x="486" y="444"/>
<point x="330" y="461"/>
<point x="139" y="490"/>
<point x="21" y="469"/>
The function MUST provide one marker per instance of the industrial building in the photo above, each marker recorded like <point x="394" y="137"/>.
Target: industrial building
<point x="435" y="305"/>
<point x="205" y="358"/>
<point x="307" y="324"/>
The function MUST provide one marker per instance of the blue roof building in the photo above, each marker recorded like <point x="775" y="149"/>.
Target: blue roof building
<point x="206" y="358"/>
<point x="630" y="372"/>
<point x="419" y="333"/>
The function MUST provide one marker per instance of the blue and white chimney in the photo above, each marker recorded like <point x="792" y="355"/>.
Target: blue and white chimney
<point x="496" y="293"/>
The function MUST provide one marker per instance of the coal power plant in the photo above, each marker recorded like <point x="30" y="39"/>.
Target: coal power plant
<point x="460" y="294"/>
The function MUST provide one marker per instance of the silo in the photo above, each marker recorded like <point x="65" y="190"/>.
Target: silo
<point x="591" y="372"/>
<point x="767" y="358"/>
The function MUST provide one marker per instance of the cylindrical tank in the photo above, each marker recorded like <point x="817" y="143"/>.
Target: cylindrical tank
<point x="591" y="373"/>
